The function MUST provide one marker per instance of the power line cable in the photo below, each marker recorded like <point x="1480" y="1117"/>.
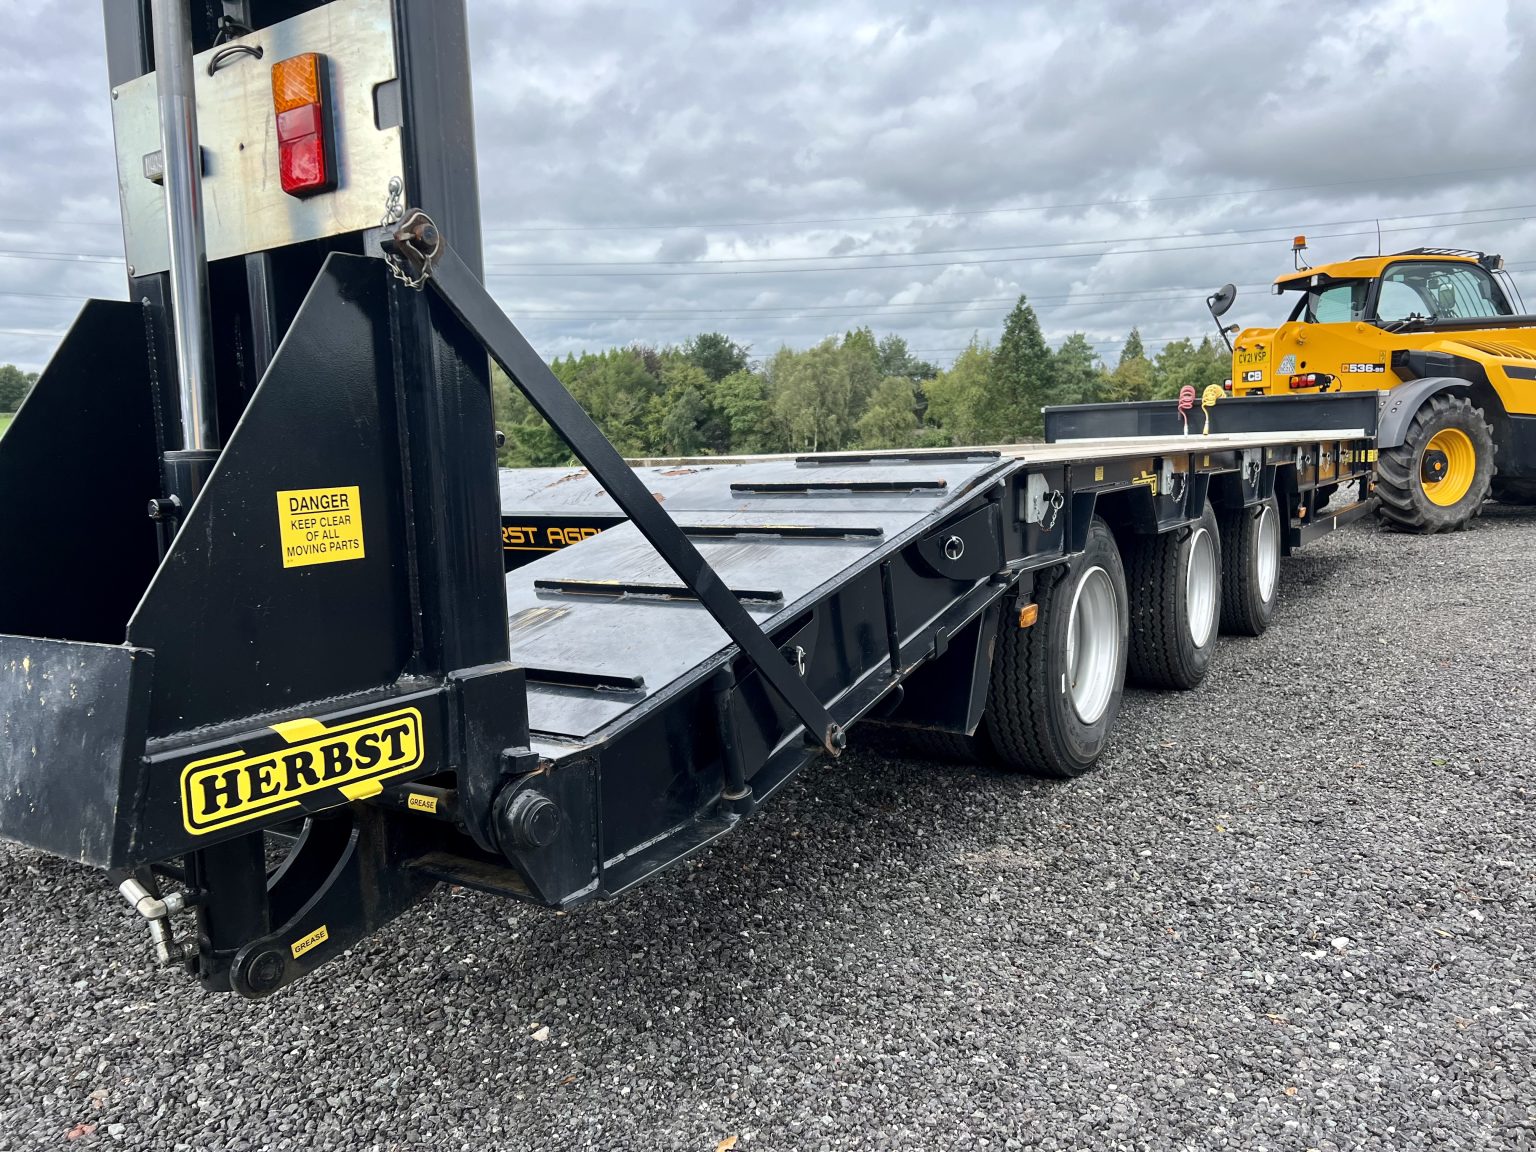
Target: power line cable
<point x="796" y="222"/>
<point x="618" y="273"/>
<point x="1292" y="228"/>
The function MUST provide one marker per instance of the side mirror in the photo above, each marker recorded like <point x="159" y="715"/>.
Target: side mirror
<point x="1220" y="302"/>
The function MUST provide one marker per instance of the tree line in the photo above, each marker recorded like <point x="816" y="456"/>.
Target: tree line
<point x="708" y="396"/>
<point x="14" y="386"/>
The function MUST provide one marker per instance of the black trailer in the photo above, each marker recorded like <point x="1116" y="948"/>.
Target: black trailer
<point x="262" y="600"/>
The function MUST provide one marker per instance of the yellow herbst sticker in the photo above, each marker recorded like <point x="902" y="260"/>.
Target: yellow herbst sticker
<point x="305" y="943"/>
<point x="350" y="759"/>
<point x="320" y="525"/>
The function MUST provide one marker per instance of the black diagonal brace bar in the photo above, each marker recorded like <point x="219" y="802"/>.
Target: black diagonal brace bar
<point x="418" y="251"/>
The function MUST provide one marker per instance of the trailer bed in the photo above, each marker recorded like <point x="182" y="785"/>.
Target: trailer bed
<point x="602" y="627"/>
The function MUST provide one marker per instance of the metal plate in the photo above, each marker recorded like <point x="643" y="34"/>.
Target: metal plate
<point x="245" y="207"/>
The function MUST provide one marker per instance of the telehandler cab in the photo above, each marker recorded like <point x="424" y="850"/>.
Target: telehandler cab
<point x="1441" y="332"/>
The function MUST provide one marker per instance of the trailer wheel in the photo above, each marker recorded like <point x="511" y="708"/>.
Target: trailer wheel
<point x="1438" y="478"/>
<point x="1175" y="586"/>
<point x="1250" y="564"/>
<point x="931" y="744"/>
<point x="1056" y="686"/>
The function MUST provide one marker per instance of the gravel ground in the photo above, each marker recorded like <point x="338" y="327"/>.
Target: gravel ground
<point x="1294" y="909"/>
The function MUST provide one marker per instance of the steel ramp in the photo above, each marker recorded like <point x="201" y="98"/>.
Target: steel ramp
<point x="603" y="627"/>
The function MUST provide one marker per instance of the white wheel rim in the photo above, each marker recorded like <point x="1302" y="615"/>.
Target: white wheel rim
<point x="1200" y="587"/>
<point x="1093" y="645"/>
<point x="1269" y="552"/>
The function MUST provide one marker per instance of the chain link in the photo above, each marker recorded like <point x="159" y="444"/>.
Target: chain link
<point x="398" y="266"/>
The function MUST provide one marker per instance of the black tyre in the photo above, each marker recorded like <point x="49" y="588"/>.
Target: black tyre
<point x="1250" y="567"/>
<point x="1437" y="479"/>
<point x="1514" y="491"/>
<point x="928" y="744"/>
<point x="1175" y="601"/>
<point x="1056" y="686"/>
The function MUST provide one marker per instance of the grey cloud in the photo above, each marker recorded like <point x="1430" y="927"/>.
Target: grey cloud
<point x="693" y="123"/>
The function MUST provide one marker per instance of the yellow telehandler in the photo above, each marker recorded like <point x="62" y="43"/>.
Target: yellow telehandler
<point x="1441" y="333"/>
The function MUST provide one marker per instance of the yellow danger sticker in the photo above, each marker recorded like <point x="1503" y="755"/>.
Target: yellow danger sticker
<point x="236" y="787"/>
<point x="320" y="526"/>
<point x="305" y="943"/>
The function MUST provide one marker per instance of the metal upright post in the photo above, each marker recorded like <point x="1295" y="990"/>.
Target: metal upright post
<point x="183" y="166"/>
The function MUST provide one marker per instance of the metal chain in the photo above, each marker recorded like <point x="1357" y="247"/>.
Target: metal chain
<point x="1054" y="503"/>
<point x="399" y="267"/>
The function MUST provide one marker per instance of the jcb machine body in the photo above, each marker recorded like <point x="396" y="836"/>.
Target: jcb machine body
<point x="263" y="611"/>
<point x="1441" y="329"/>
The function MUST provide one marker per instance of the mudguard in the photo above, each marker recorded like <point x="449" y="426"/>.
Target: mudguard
<point x="1399" y="405"/>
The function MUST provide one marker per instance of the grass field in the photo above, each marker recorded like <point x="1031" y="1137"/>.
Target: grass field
<point x="5" y="422"/>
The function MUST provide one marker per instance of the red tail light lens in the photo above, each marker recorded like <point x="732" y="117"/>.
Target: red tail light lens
<point x="300" y="93"/>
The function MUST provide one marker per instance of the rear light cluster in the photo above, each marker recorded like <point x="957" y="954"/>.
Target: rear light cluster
<point x="1311" y="380"/>
<point x="300" y="100"/>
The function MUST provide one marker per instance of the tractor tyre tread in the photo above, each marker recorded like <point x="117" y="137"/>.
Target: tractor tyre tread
<point x="1401" y="503"/>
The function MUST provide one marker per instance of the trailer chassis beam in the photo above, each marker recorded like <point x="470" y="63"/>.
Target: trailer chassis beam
<point x="419" y="255"/>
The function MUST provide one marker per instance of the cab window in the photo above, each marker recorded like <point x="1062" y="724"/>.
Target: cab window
<point x="1337" y="302"/>
<point x="1436" y="290"/>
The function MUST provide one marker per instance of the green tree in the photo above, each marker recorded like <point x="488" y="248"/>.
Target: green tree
<point x="14" y="386"/>
<point x="861" y="358"/>
<point x="742" y="401"/>
<point x="618" y="393"/>
<point x="1022" y="376"/>
<point x="689" y="424"/>
<point x="862" y="342"/>
<point x="895" y="359"/>
<point x="890" y="420"/>
<point x="1079" y="377"/>
<point x="1182" y="363"/>
<point x="957" y="399"/>
<point x="717" y="354"/>
<point x="530" y="442"/>
<point x="1132" y="378"/>
<point x="813" y="396"/>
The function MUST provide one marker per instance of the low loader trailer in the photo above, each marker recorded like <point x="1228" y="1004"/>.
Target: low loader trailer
<point x="262" y="661"/>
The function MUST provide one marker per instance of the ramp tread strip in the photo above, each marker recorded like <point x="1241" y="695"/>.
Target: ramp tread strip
<point x="834" y="459"/>
<point x="812" y="487"/>
<point x="783" y="531"/>
<point x="619" y="588"/>
<point x="597" y="681"/>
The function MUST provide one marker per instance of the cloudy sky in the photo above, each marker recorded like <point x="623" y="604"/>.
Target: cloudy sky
<point x="783" y="171"/>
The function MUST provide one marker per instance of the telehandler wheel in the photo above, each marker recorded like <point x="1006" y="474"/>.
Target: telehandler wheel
<point x="1514" y="491"/>
<point x="1438" y="478"/>
<point x="1056" y="686"/>
<point x="1250" y="566"/>
<point x="1175" y="586"/>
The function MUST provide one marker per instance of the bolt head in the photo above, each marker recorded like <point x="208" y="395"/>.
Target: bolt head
<point x="265" y="972"/>
<point x="530" y="820"/>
